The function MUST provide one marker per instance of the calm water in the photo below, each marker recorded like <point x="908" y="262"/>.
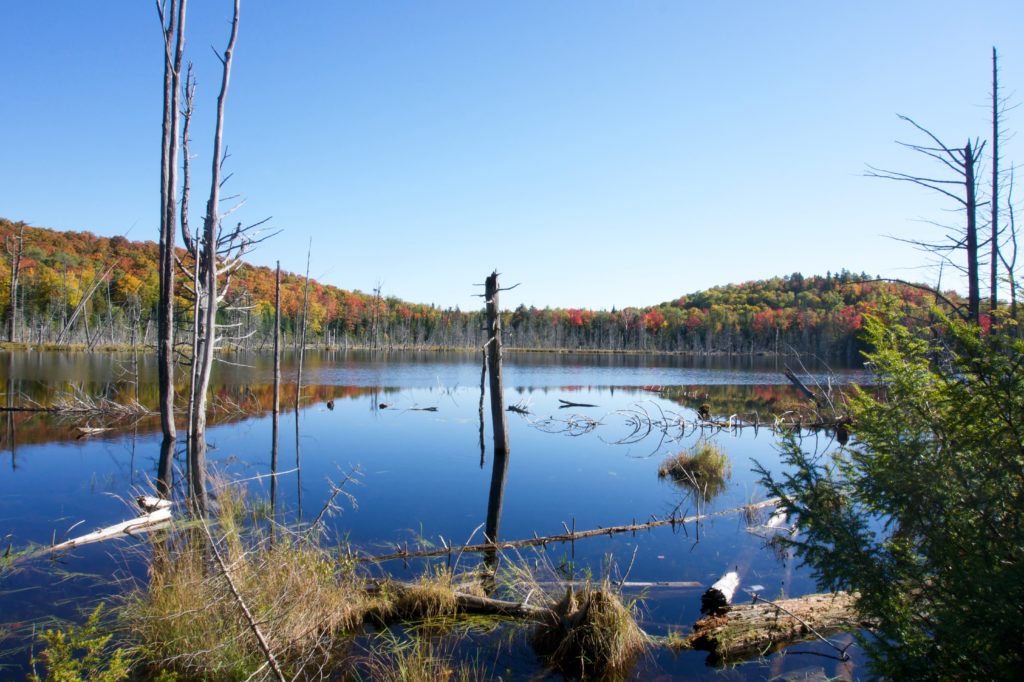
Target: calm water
<point x="422" y="475"/>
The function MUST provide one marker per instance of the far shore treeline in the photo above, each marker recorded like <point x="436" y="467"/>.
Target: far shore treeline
<point x="822" y="315"/>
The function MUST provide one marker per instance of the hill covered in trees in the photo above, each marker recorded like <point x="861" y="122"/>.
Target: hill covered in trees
<point x="78" y="287"/>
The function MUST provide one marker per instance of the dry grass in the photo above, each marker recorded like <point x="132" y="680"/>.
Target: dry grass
<point x="431" y="597"/>
<point x="705" y="469"/>
<point x="306" y="601"/>
<point x="591" y="633"/>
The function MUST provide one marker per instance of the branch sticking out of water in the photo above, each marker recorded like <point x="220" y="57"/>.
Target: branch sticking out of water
<point x="568" y="536"/>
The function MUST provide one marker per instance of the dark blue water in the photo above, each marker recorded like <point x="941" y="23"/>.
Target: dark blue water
<point x="420" y="476"/>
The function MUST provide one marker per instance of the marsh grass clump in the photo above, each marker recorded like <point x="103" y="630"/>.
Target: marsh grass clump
<point x="430" y="597"/>
<point x="705" y="468"/>
<point x="419" y="658"/>
<point x="307" y="600"/>
<point x="592" y="633"/>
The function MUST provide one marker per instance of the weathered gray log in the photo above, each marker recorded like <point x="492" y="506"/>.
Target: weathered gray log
<point x="157" y="515"/>
<point x="748" y="630"/>
<point x="471" y="603"/>
<point x="568" y="536"/>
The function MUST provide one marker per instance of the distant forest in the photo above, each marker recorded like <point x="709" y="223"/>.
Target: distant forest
<point x="75" y="287"/>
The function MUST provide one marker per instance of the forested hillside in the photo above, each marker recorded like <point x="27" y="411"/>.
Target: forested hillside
<point x="111" y="283"/>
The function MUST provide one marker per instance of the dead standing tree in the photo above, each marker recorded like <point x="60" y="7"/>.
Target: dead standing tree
<point x="498" y="424"/>
<point x="15" y="247"/>
<point x="173" y="28"/>
<point x="963" y="164"/>
<point x="218" y="256"/>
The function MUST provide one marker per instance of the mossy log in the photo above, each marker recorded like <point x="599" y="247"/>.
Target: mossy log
<point x="747" y="630"/>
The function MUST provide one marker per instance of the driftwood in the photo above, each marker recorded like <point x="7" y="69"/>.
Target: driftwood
<point x="156" y="515"/>
<point x="735" y="634"/>
<point x="567" y="536"/>
<point x="753" y="629"/>
<point x="719" y="596"/>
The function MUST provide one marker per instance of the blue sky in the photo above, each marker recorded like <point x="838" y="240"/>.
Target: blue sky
<point x="601" y="153"/>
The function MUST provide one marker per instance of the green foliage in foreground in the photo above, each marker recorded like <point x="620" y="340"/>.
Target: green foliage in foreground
<point x="923" y="514"/>
<point x="82" y="653"/>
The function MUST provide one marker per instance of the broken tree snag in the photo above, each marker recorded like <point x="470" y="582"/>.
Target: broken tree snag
<point x="719" y="596"/>
<point x="795" y="380"/>
<point x="750" y="630"/>
<point x="500" y="428"/>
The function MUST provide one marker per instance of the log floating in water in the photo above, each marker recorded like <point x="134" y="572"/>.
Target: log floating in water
<point x="720" y="595"/>
<point x="748" y="630"/>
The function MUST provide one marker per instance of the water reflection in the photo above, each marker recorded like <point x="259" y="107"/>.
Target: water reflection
<point x="421" y="470"/>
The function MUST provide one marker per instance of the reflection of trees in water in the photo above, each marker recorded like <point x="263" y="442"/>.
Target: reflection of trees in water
<point x="230" y="404"/>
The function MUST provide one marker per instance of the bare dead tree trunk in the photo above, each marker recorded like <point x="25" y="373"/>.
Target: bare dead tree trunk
<point x="15" y="248"/>
<point x="994" y="200"/>
<point x="1011" y="263"/>
<point x="491" y="290"/>
<point x="302" y="333"/>
<point x="970" y="185"/>
<point x="298" y="381"/>
<point x="499" y="470"/>
<point x="483" y="383"/>
<point x="208" y="276"/>
<point x="963" y="162"/>
<point x="193" y="249"/>
<point x="277" y="393"/>
<point x="174" y="46"/>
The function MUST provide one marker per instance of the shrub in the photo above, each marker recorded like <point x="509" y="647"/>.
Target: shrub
<point x="923" y="513"/>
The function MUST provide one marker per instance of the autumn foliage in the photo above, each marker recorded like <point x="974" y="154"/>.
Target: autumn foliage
<point x="816" y="314"/>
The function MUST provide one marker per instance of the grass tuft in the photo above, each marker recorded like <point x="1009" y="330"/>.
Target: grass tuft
<point x="591" y="633"/>
<point x="306" y="599"/>
<point x="705" y="469"/>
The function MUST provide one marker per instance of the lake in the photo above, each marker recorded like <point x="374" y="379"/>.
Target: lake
<point x="406" y="426"/>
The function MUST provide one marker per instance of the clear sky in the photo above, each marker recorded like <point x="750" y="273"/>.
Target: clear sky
<point x="601" y="153"/>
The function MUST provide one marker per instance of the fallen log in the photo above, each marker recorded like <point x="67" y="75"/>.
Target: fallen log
<point x="156" y="515"/>
<point x="747" y="630"/>
<point x="718" y="597"/>
<point x="568" y="536"/>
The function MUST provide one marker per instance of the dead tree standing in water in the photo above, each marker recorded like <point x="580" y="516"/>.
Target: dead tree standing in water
<point x="218" y="256"/>
<point x="277" y="393"/>
<point x="498" y="424"/>
<point x="173" y="26"/>
<point x="500" y="428"/>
